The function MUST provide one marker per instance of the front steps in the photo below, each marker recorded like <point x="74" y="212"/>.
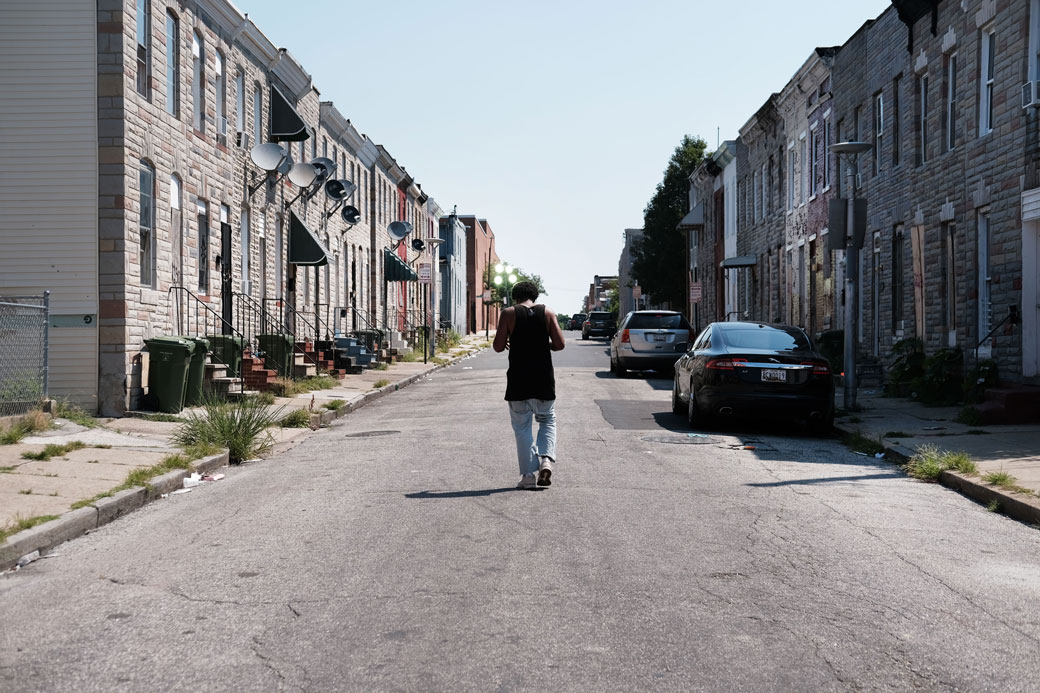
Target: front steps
<point x="1010" y="404"/>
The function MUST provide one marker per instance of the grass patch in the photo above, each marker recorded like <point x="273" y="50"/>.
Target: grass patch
<point x="298" y="418"/>
<point x="969" y="416"/>
<point x="1000" y="479"/>
<point x="51" y="450"/>
<point x="90" y="501"/>
<point x="67" y="410"/>
<point x="160" y="416"/>
<point x="21" y="523"/>
<point x="240" y="426"/>
<point x="441" y="361"/>
<point x="857" y="442"/>
<point x="7" y="470"/>
<point x="382" y="382"/>
<point x="317" y="382"/>
<point x="896" y="434"/>
<point x="380" y="366"/>
<point x="25" y="492"/>
<point x="993" y="506"/>
<point x="929" y="462"/>
<point x="265" y="398"/>
<point x="411" y="356"/>
<point x="102" y="447"/>
<point x="31" y="422"/>
<point x="335" y="404"/>
<point x="197" y="451"/>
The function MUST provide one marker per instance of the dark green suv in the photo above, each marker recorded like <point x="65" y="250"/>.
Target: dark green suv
<point x="599" y="324"/>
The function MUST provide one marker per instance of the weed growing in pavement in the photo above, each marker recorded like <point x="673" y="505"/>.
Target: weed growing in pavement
<point x="22" y="523"/>
<point x="382" y="382"/>
<point x="102" y="447"/>
<point x="440" y="361"/>
<point x="67" y="410"/>
<point x="969" y="416"/>
<point x="1004" y="480"/>
<point x="240" y="426"/>
<point x="297" y="418"/>
<point x="317" y="382"/>
<point x="857" y="442"/>
<point x="160" y="416"/>
<point x="411" y="356"/>
<point x="896" y="434"/>
<point x="381" y="366"/>
<point x="199" y="450"/>
<point x="25" y="492"/>
<point x="265" y="398"/>
<point x="6" y="470"/>
<point x="32" y="422"/>
<point x="284" y="387"/>
<point x="930" y="462"/>
<point x="993" y="506"/>
<point x="51" y="450"/>
<point x="335" y="404"/>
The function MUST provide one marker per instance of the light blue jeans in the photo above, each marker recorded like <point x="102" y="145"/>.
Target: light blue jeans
<point x="527" y="449"/>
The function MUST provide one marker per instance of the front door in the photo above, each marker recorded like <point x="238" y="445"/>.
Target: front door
<point x="1031" y="301"/>
<point x="226" y="290"/>
<point x="875" y="299"/>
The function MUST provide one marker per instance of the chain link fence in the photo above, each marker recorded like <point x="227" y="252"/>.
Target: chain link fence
<point x="24" y="321"/>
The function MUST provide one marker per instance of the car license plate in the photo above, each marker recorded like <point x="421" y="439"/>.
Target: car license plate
<point x="772" y="375"/>
<point x="658" y="337"/>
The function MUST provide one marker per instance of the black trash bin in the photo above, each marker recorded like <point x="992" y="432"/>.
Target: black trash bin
<point x="169" y="359"/>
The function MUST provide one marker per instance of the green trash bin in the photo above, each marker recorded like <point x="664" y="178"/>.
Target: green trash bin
<point x="227" y="349"/>
<point x="278" y="353"/>
<point x="196" y="372"/>
<point x="168" y="362"/>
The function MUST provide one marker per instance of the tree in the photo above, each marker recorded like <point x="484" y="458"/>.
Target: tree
<point x="659" y="257"/>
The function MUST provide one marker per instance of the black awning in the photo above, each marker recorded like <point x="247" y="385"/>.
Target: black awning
<point x="395" y="269"/>
<point x="286" y="123"/>
<point x="304" y="246"/>
<point x="694" y="218"/>
<point x="738" y="262"/>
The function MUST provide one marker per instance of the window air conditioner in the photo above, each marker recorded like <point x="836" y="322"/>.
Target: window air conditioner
<point x="1030" y="98"/>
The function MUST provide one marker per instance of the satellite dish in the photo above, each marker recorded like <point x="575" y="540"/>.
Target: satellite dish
<point x="302" y="174"/>
<point x="399" y="229"/>
<point x="268" y="156"/>
<point x="418" y="245"/>
<point x="286" y="165"/>
<point x="326" y="167"/>
<point x="350" y="214"/>
<point x="339" y="189"/>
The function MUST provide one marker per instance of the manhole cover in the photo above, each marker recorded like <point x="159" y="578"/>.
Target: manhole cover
<point x="681" y="439"/>
<point x="370" y="434"/>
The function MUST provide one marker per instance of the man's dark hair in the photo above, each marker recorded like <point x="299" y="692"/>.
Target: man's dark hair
<point x="525" y="290"/>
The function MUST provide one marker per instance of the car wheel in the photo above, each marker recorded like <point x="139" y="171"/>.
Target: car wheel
<point x="824" y="425"/>
<point x="584" y="336"/>
<point x="693" y="412"/>
<point x="613" y="366"/>
<point x="620" y="370"/>
<point x="678" y="407"/>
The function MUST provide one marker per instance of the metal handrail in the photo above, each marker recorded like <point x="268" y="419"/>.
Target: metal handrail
<point x="368" y="327"/>
<point x="296" y="339"/>
<point x="1012" y="317"/>
<point x="269" y="325"/>
<point x="329" y="332"/>
<point x="207" y="322"/>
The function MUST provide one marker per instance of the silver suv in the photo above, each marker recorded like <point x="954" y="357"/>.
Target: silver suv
<point x="649" y="340"/>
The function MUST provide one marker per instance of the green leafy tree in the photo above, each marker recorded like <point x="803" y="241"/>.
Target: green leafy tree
<point x="659" y="257"/>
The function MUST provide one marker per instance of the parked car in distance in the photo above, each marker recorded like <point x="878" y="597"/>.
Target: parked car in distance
<point x="649" y="340"/>
<point x="577" y="320"/>
<point x="599" y="323"/>
<point x="753" y="369"/>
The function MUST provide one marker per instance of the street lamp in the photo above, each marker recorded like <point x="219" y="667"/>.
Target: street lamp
<point x="504" y="275"/>
<point x="850" y="151"/>
<point x="431" y="336"/>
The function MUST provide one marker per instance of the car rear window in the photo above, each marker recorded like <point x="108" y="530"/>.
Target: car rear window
<point x="599" y="316"/>
<point x="765" y="337"/>
<point x="658" y="321"/>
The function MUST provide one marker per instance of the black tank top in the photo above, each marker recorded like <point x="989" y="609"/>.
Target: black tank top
<point x="530" y="374"/>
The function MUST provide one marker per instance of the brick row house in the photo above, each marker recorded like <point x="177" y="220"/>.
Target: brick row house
<point x="140" y="207"/>
<point x="946" y="94"/>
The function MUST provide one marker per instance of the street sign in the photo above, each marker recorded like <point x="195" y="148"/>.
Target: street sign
<point x="486" y="296"/>
<point x="637" y="292"/>
<point x="695" y="292"/>
<point x="424" y="272"/>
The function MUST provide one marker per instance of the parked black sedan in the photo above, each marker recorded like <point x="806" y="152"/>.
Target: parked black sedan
<point x="753" y="368"/>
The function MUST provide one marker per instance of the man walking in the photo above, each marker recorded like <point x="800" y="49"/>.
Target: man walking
<point x="530" y="332"/>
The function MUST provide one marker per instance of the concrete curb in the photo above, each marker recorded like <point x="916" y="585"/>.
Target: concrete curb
<point x="1016" y="506"/>
<point x="72" y="524"/>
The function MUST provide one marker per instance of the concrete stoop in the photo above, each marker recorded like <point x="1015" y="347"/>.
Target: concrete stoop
<point x="1010" y="405"/>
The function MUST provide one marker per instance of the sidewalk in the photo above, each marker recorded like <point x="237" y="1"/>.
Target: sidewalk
<point x="903" y="426"/>
<point x="105" y="454"/>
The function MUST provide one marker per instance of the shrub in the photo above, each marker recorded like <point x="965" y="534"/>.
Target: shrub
<point x="284" y="387"/>
<point x="969" y="416"/>
<point x="382" y="382"/>
<point x="448" y="339"/>
<point x="942" y="380"/>
<point x="265" y="398"/>
<point x="240" y="426"/>
<point x="335" y="404"/>
<point x="980" y="378"/>
<point x="907" y="366"/>
<point x="297" y="418"/>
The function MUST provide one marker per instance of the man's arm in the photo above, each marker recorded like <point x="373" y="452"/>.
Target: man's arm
<point x="505" y="326"/>
<point x="555" y="333"/>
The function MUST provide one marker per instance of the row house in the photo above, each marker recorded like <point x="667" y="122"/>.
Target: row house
<point x="630" y="296"/>
<point x="481" y="255"/>
<point x="946" y="94"/>
<point x="452" y="277"/>
<point x="151" y="108"/>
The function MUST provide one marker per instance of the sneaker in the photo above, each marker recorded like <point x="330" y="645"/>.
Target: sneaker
<point x="545" y="471"/>
<point x="527" y="482"/>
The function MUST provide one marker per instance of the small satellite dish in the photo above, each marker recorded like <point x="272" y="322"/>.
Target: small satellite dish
<point x="302" y="175"/>
<point x="350" y="214"/>
<point x="418" y="245"/>
<point x="339" y="189"/>
<point x="399" y="229"/>
<point x="286" y="165"/>
<point x="326" y="167"/>
<point x="268" y="156"/>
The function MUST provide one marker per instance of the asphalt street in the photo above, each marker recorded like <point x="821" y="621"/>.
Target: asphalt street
<point x="392" y="552"/>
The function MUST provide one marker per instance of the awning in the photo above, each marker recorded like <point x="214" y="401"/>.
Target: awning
<point x="286" y="123"/>
<point x="738" y="262"/>
<point x="304" y="246"/>
<point x="694" y="218"/>
<point x="395" y="269"/>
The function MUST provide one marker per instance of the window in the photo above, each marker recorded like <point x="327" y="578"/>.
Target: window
<point x="144" y="48"/>
<point x="146" y="225"/>
<point x="756" y="191"/>
<point x="988" y="54"/>
<point x="803" y="172"/>
<point x="922" y="119"/>
<point x="198" y="85"/>
<point x="790" y="178"/>
<point x="258" y="114"/>
<point x="982" y="262"/>
<point x="177" y="241"/>
<point x="221" y="103"/>
<point x="841" y="128"/>
<point x="826" y="153"/>
<point x="173" y="66"/>
<point x="879" y="129"/>
<point x="203" y="216"/>
<point x="950" y="116"/>
<point x="279" y="242"/>
<point x="898" y="271"/>
<point x="814" y="161"/>
<point x="765" y="192"/>
<point x="240" y="103"/>
<point x="897" y="134"/>
<point x="949" y="282"/>
<point x="246" y="248"/>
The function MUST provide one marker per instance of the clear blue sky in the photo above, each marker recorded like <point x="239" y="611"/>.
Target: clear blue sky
<point x="552" y="120"/>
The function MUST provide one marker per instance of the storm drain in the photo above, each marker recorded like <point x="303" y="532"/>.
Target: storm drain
<point x="370" y="434"/>
<point x="681" y="439"/>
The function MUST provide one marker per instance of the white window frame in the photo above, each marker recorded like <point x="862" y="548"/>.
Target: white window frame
<point x="146" y="225"/>
<point x="814" y="161"/>
<point x="198" y="82"/>
<point x="220" y="79"/>
<point x="879" y="130"/>
<point x="240" y="102"/>
<point x="173" y="64"/>
<point x="803" y="170"/>
<point x="987" y="56"/>
<point x="790" y="176"/>
<point x="258" y="113"/>
<point x="950" y="140"/>
<point x="826" y="154"/>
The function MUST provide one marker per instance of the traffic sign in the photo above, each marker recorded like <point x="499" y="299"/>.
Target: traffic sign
<point x="424" y="272"/>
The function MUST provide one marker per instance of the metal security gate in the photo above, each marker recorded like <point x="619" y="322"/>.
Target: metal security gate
<point x="24" y="321"/>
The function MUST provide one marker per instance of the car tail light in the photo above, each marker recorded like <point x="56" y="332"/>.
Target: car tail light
<point x="624" y="336"/>
<point x="725" y="364"/>
<point x="818" y="367"/>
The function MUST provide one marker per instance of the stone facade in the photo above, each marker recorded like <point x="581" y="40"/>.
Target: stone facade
<point x="481" y="254"/>
<point x="627" y="300"/>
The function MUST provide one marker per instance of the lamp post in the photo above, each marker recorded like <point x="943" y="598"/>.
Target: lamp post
<point x="431" y="336"/>
<point x="851" y="152"/>
<point x="504" y="275"/>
